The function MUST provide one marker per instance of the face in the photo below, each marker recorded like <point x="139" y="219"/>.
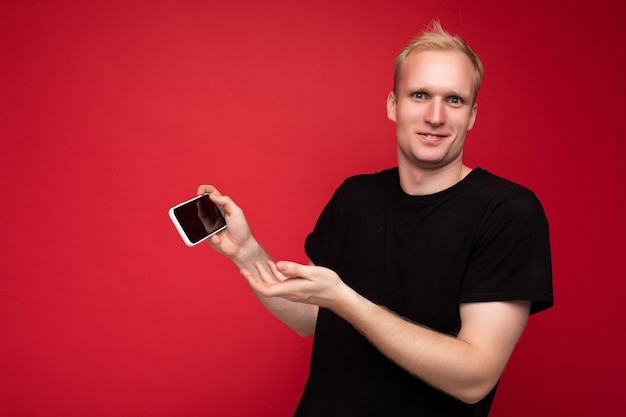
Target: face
<point x="433" y="108"/>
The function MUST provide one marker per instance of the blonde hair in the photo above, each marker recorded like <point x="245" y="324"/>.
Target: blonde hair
<point x="435" y="38"/>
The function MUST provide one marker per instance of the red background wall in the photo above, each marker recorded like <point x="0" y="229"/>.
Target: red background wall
<point x="113" y="111"/>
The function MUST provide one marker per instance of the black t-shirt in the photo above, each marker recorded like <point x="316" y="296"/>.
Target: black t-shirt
<point x="484" y="239"/>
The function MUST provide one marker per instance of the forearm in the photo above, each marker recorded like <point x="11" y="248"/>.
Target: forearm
<point x="301" y="318"/>
<point x="456" y="366"/>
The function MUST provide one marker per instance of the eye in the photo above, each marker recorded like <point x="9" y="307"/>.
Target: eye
<point x="456" y="101"/>
<point x="419" y="95"/>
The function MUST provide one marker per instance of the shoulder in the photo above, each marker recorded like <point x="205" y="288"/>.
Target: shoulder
<point x="368" y="183"/>
<point x="486" y="182"/>
<point x="502" y="204"/>
<point x="496" y="190"/>
<point x="359" y="194"/>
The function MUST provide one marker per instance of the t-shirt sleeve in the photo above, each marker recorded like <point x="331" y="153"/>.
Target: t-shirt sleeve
<point x="319" y="243"/>
<point x="511" y="256"/>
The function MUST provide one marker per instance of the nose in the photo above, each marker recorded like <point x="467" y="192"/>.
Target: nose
<point x="435" y="113"/>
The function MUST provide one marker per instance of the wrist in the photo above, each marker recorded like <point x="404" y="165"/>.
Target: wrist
<point x="248" y="253"/>
<point x="346" y="301"/>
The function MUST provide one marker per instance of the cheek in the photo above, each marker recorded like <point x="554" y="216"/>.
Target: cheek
<point x="407" y="115"/>
<point x="462" y="121"/>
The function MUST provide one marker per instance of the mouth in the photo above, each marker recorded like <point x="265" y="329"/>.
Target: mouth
<point x="432" y="136"/>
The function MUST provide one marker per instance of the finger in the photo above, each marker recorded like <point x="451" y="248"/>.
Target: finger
<point x="252" y="279"/>
<point x="207" y="189"/>
<point x="265" y="289"/>
<point x="215" y="240"/>
<point x="277" y="274"/>
<point x="264" y="275"/>
<point x="292" y="269"/>
<point x="221" y="200"/>
<point x="225" y="204"/>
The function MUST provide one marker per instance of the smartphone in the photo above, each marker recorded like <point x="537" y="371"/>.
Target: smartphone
<point x="197" y="219"/>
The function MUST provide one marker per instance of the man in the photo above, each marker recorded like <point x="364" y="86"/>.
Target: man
<point x="422" y="276"/>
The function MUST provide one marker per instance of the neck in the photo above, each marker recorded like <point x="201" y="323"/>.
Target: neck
<point x="420" y="181"/>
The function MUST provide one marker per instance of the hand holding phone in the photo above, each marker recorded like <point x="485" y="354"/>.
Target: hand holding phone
<point x="197" y="219"/>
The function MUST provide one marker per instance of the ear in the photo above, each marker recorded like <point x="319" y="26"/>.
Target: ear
<point x="391" y="106"/>
<point x="472" y="119"/>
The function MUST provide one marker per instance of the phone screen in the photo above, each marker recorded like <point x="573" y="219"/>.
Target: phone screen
<point x="198" y="219"/>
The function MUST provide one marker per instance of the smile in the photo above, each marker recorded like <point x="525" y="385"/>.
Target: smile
<point x="431" y="136"/>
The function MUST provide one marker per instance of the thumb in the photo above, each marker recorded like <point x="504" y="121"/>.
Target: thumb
<point x="290" y="269"/>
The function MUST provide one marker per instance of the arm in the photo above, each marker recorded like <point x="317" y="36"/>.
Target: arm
<point x="237" y="243"/>
<point x="467" y="366"/>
